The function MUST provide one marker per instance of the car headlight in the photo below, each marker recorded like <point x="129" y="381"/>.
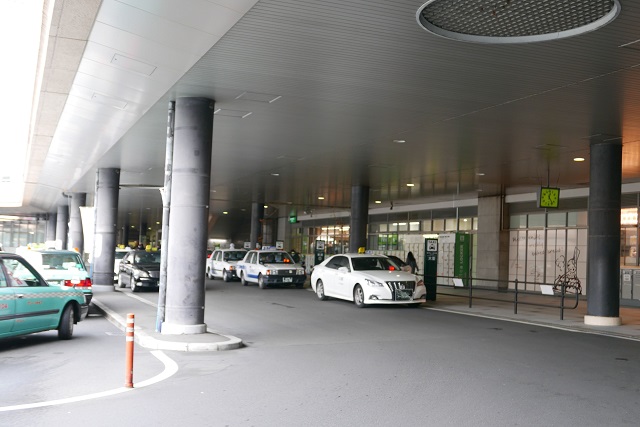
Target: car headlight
<point x="300" y="271"/>
<point x="141" y="274"/>
<point x="373" y="283"/>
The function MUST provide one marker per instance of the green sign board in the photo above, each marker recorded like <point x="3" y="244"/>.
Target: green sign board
<point x="431" y="267"/>
<point x="293" y="219"/>
<point x="461" y="257"/>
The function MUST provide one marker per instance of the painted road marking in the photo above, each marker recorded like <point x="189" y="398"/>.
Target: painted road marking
<point x="170" y="368"/>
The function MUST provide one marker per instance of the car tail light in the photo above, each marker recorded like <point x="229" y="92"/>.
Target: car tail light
<point x="78" y="283"/>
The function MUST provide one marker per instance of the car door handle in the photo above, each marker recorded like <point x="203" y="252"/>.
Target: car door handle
<point x="19" y="295"/>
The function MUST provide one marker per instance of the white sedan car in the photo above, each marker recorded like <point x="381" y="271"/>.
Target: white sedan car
<point x="270" y="267"/>
<point x="366" y="279"/>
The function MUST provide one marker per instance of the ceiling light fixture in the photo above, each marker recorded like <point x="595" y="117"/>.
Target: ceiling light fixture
<point x="399" y="141"/>
<point x="275" y="174"/>
<point x="411" y="185"/>
<point x="225" y="213"/>
<point x="320" y="197"/>
<point x="378" y="202"/>
<point x="578" y="159"/>
<point x="507" y="21"/>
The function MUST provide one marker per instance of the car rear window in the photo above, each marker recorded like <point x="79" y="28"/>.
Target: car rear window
<point x="234" y="255"/>
<point x="62" y="262"/>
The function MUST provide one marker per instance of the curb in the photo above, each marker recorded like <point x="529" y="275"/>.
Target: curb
<point x="147" y="341"/>
<point x="568" y="328"/>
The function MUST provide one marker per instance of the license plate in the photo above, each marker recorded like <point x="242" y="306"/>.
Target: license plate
<point x="287" y="279"/>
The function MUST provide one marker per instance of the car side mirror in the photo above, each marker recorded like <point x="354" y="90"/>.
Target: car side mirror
<point x="343" y="270"/>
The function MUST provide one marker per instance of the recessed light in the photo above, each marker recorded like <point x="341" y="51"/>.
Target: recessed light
<point x="378" y="201"/>
<point x="320" y="197"/>
<point x="578" y="159"/>
<point x="265" y="206"/>
<point x="158" y="222"/>
<point x="410" y="185"/>
<point x="225" y="213"/>
<point x="275" y="174"/>
<point x="480" y="174"/>
<point x="399" y="141"/>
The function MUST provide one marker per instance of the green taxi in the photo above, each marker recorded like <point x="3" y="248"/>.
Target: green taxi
<point x="28" y="304"/>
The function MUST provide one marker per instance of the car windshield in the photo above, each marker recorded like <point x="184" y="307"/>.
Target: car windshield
<point x="396" y="261"/>
<point x="62" y="262"/>
<point x="120" y="254"/>
<point x="234" y="255"/>
<point x="275" y="258"/>
<point x="147" y="258"/>
<point x="372" y="263"/>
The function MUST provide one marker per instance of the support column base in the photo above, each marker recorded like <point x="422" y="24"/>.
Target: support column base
<point x="102" y="288"/>
<point x="177" y="329"/>
<point x="602" y="321"/>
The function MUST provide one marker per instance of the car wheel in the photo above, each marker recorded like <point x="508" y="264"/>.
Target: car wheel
<point x="134" y="288"/>
<point x="358" y="296"/>
<point x="225" y="276"/>
<point x="209" y="276"/>
<point x="243" y="280"/>
<point x="65" y="330"/>
<point x="261" y="282"/>
<point x="120" y="282"/>
<point x="320" y="291"/>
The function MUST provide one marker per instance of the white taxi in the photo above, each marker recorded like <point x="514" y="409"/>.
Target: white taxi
<point x="270" y="267"/>
<point x="366" y="279"/>
<point x="222" y="263"/>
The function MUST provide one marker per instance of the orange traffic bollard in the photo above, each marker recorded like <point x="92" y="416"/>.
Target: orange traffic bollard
<point x="128" y="382"/>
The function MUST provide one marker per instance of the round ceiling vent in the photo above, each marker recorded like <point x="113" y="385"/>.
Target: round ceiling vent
<point x="515" y="21"/>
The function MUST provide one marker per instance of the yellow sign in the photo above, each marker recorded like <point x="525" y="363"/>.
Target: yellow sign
<point x="548" y="197"/>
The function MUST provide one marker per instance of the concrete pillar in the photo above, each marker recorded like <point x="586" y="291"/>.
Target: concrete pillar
<point x="359" y="217"/>
<point x="257" y="214"/>
<point x="268" y="232"/>
<point x="184" y="312"/>
<point x="492" y="261"/>
<point x="50" y="235"/>
<point x="106" y="209"/>
<point x="281" y="233"/>
<point x="62" y="227"/>
<point x="76" y="238"/>
<point x="603" y="258"/>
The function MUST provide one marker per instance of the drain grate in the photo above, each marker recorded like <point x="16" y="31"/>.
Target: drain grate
<point x="515" y="21"/>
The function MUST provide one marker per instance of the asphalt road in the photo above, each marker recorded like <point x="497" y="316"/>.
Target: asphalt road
<point x="314" y="363"/>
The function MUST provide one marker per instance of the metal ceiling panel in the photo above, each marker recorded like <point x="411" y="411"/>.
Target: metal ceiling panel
<point x="353" y="76"/>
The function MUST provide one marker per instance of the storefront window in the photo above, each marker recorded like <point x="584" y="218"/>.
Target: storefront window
<point x="518" y="221"/>
<point x="451" y="224"/>
<point x="426" y="225"/>
<point x="414" y="226"/>
<point x="536" y="220"/>
<point x="465" y="224"/>
<point x="629" y="246"/>
<point x="438" y="225"/>
<point x="557" y="219"/>
<point x="577" y="219"/>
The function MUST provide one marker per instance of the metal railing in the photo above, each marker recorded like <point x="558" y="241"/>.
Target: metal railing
<point x="559" y="291"/>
